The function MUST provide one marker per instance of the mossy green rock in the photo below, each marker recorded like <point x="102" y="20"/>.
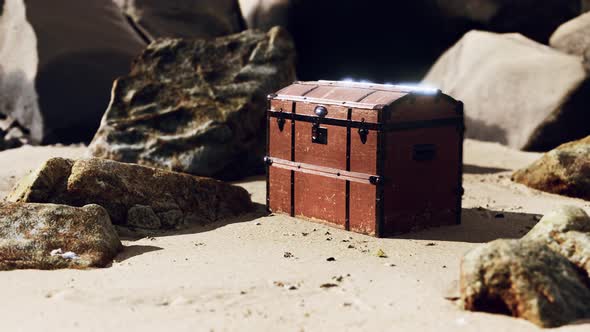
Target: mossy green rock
<point x="30" y="232"/>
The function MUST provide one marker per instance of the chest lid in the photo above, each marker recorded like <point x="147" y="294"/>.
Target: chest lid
<point x="348" y="94"/>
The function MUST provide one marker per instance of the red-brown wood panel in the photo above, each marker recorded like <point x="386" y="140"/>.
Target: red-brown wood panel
<point x="279" y="145"/>
<point x="423" y="108"/>
<point x="362" y="208"/>
<point x="279" y="190"/>
<point x="421" y="193"/>
<point x="363" y="157"/>
<point x="334" y="112"/>
<point x="320" y="198"/>
<point x="332" y="154"/>
<point x="370" y="116"/>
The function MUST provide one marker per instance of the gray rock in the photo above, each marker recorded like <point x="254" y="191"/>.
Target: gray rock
<point x="58" y="61"/>
<point x="524" y="279"/>
<point x="536" y="19"/>
<point x="563" y="171"/>
<point x="197" y="106"/>
<point x="184" y="18"/>
<point x="573" y="37"/>
<point x="265" y="14"/>
<point x="133" y="195"/>
<point x="39" y="236"/>
<point x="525" y="95"/>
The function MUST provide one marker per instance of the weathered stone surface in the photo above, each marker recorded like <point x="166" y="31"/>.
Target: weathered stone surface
<point x="524" y="279"/>
<point x="429" y="28"/>
<point x="58" y="60"/>
<point x="573" y="37"/>
<point x="197" y="106"/>
<point x="31" y="236"/>
<point x="265" y="14"/>
<point x="11" y="134"/>
<point x="185" y="18"/>
<point x="525" y="95"/>
<point x="567" y="232"/>
<point x="564" y="171"/>
<point x="543" y="277"/>
<point x="133" y="195"/>
<point x="536" y="19"/>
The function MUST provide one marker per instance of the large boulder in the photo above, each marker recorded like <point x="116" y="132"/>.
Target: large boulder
<point x="197" y="106"/>
<point x="58" y="61"/>
<point x="563" y="171"/>
<point x="524" y="279"/>
<point x="516" y="92"/>
<point x="567" y="232"/>
<point x="133" y="195"/>
<point x="48" y="236"/>
<point x="573" y="37"/>
<point x="184" y="18"/>
<point x="543" y="277"/>
<point x="265" y="14"/>
<point x="395" y="41"/>
<point x="536" y="19"/>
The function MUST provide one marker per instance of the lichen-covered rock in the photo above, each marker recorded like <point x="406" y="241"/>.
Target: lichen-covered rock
<point x="564" y="171"/>
<point x="133" y="195"/>
<point x="197" y="106"/>
<point x="525" y="279"/>
<point x="573" y="37"/>
<point x="58" y="60"/>
<point x="48" y="236"/>
<point x="185" y="18"/>
<point x="567" y="232"/>
<point x="524" y="95"/>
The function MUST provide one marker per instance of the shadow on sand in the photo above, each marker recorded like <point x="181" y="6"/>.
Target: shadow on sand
<point x="135" y="250"/>
<point x="480" y="225"/>
<point x="473" y="169"/>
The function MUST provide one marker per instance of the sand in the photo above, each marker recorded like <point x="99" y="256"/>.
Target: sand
<point x="233" y="275"/>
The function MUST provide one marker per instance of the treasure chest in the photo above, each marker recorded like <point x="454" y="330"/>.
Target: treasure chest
<point x="369" y="158"/>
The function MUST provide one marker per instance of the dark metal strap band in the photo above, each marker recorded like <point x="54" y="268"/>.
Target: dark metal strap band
<point x="371" y="126"/>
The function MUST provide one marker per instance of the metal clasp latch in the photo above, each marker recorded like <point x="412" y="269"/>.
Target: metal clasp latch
<point x="281" y="120"/>
<point x="319" y="135"/>
<point x="363" y="132"/>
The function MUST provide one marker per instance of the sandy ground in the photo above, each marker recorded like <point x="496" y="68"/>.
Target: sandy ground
<point x="234" y="276"/>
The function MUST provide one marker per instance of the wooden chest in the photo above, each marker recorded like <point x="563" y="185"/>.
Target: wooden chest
<point x="369" y="158"/>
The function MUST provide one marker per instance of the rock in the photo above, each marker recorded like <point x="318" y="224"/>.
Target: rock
<point x="39" y="236"/>
<point x="567" y="232"/>
<point x="58" y="61"/>
<point x="524" y="279"/>
<point x="573" y="37"/>
<point x="332" y="36"/>
<point x="133" y="195"/>
<point x="536" y="19"/>
<point x="563" y="171"/>
<point x="323" y="29"/>
<point x="197" y="106"/>
<point x="185" y="18"/>
<point x="525" y="95"/>
<point x="265" y="14"/>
